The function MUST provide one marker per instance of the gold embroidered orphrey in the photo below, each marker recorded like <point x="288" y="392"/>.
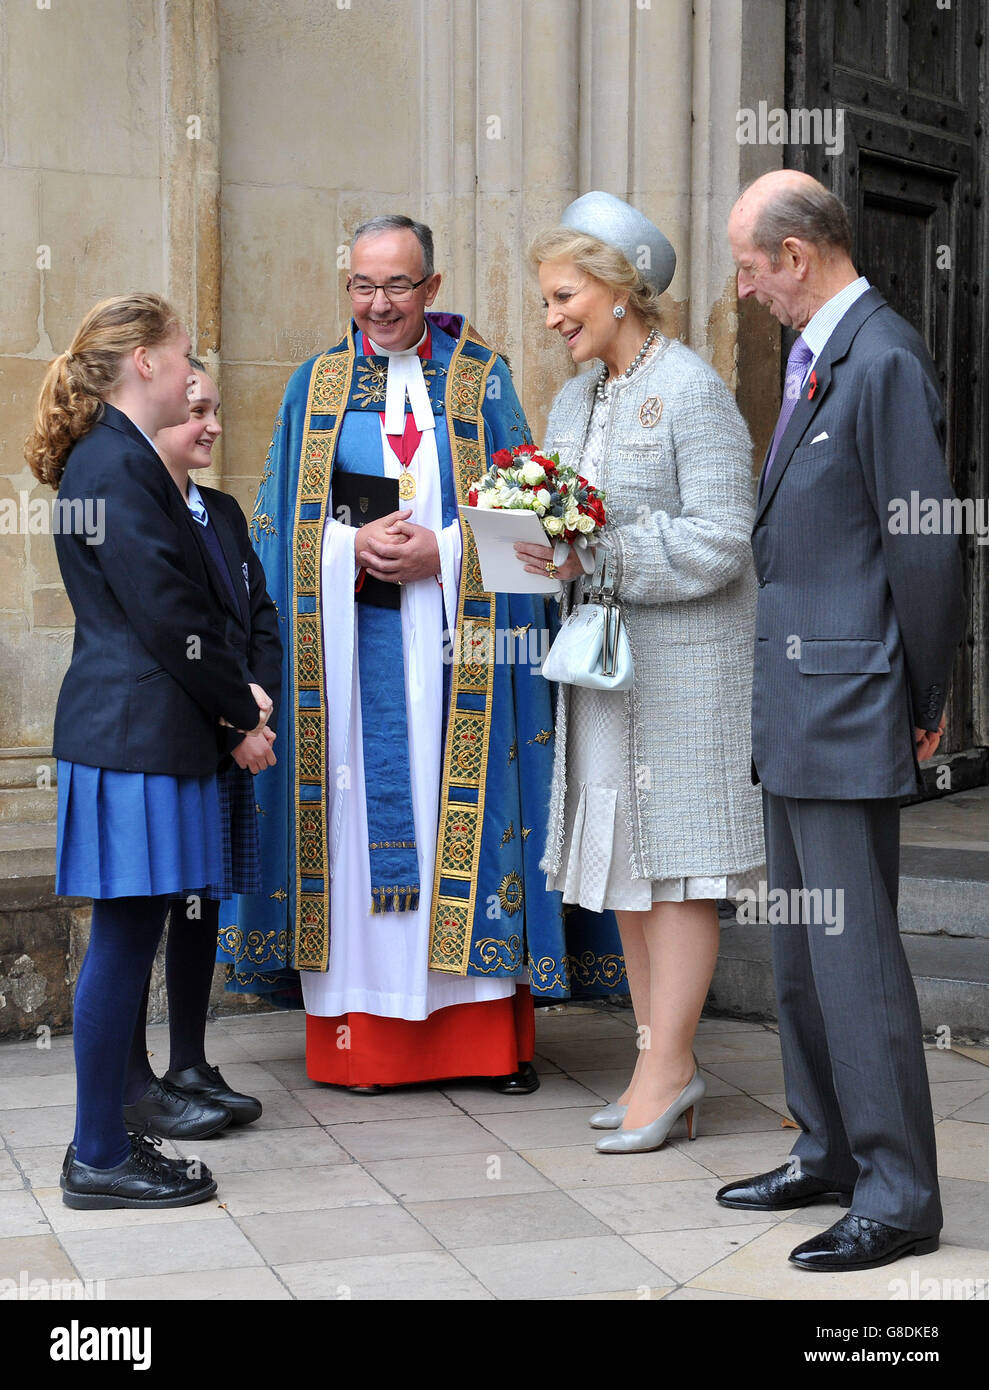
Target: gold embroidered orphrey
<point x="468" y="740"/>
<point x="651" y="412"/>
<point x="469" y="734"/>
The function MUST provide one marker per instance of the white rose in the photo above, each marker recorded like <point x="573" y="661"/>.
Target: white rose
<point x="485" y="498"/>
<point x="571" y="518"/>
<point x="544" y="497"/>
<point x="585" y="523"/>
<point x="553" y="525"/>
<point x="533" y="472"/>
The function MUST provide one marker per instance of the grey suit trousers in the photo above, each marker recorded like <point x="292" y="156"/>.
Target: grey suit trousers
<point x="853" y="1056"/>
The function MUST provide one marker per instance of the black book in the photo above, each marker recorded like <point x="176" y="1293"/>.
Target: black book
<point x="357" y="499"/>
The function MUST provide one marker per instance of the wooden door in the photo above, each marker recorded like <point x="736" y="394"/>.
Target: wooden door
<point x="913" y="174"/>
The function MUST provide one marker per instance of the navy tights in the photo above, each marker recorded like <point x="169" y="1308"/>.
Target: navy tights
<point x="122" y="944"/>
<point x="111" y="1002"/>
<point x="190" y="953"/>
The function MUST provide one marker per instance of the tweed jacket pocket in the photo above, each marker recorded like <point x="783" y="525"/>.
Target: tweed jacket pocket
<point x="842" y="657"/>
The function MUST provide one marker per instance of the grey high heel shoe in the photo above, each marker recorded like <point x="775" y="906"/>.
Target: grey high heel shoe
<point x="653" y="1136"/>
<point x="609" y="1118"/>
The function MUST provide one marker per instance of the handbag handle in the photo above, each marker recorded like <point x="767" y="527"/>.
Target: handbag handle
<point x="602" y="586"/>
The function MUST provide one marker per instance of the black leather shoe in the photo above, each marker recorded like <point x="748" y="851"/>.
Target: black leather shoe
<point x="175" y="1115"/>
<point x="144" y="1179"/>
<point x="780" y="1190"/>
<point x="856" y="1242"/>
<point x="206" y="1084"/>
<point x="521" y="1083"/>
<point x="178" y="1164"/>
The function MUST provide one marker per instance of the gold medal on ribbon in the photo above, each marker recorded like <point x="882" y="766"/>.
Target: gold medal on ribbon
<point x="406" y="486"/>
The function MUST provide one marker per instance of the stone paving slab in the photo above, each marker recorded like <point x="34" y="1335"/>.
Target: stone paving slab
<point x="119" y="1252"/>
<point x="454" y="1192"/>
<point x="458" y="1175"/>
<point x="220" y="1285"/>
<point x="556" y="1092"/>
<point x="745" y="1272"/>
<point x="673" y="1206"/>
<point x="560" y="1268"/>
<point x="685" y="1254"/>
<point x="419" y="1275"/>
<point x="347" y="1231"/>
<point x="579" y="1166"/>
<point x="39" y="1257"/>
<point x="376" y="1139"/>
<point x="56" y="1088"/>
<point x="333" y="1105"/>
<point x="20" y="1215"/>
<point x="503" y="1220"/>
<point x="301" y="1189"/>
<point x="736" y="1047"/>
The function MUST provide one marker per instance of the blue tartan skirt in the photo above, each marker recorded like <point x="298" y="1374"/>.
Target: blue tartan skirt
<point x="139" y="834"/>
<point x="239" y="835"/>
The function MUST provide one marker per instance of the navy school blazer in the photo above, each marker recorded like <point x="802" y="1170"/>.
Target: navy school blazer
<point x="252" y="621"/>
<point x="156" y="658"/>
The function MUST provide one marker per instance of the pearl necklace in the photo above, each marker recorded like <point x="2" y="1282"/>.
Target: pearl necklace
<point x="603" y="390"/>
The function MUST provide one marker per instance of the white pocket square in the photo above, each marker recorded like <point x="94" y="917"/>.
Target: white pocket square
<point x="817" y="438"/>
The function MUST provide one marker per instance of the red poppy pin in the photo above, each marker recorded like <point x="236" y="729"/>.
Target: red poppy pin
<point x="813" y="386"/>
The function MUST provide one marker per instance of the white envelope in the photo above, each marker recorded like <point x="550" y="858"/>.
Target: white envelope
<point x="495" y="533"/>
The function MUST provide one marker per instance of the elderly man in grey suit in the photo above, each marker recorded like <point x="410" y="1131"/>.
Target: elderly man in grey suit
<point x="856" y="629"/>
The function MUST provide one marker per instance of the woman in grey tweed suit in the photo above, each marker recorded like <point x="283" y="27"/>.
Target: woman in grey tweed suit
<point x="653" y="811"/>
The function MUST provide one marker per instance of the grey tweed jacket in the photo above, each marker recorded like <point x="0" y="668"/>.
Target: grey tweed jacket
<point x="679" y="503"/>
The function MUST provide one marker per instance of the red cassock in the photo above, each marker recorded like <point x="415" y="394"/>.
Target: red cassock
<point x="491" y="1038"/>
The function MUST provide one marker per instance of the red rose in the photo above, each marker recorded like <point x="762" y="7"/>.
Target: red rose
<point x="502" y="459"/>
<point x="472" y="497"/>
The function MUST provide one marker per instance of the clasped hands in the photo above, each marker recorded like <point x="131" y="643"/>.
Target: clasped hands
<point x="394" y="548"/>
<point x="253" y="753"/>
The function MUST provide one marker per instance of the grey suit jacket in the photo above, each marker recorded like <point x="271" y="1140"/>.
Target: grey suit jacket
<point x="856" y="625"/>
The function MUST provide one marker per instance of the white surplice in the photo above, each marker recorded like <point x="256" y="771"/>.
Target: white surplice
<point x="378" y="961"/>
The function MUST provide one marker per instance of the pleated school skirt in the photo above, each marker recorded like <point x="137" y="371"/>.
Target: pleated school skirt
<point x="239" y="837"/>
<point x="136" y="834"/>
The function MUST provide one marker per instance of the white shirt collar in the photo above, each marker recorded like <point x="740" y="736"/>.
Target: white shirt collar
<point x="196" y="505"/>
<point x="829" y="315"/>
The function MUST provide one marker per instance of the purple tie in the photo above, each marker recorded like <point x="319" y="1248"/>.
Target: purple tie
<point x="796" y="366"/>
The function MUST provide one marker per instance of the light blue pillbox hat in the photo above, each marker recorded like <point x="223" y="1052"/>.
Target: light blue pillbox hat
<point x="622" y="226"/>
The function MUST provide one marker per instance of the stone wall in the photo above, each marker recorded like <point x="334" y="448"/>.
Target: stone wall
<point x="222" y="151"/>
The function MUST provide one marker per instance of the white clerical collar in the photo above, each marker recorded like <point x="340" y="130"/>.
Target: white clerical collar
<point x="405" y="375"/>
<point x="398" y="352"/>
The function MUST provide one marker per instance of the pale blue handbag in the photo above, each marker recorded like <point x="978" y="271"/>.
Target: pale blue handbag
<point x="592" y="646"/>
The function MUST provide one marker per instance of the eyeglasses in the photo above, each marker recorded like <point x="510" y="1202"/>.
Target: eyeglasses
<point x="396" y="290"/>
